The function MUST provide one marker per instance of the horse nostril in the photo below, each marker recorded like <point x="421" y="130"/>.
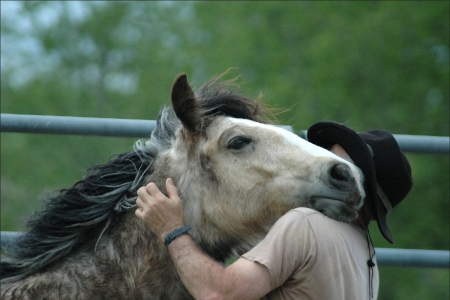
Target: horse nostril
<point x="341" y="173"/>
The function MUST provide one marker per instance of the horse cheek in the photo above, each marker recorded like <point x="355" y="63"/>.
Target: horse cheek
<point x="207" y="167"/>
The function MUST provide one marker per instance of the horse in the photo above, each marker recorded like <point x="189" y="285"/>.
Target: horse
<point x="236" y="172"/>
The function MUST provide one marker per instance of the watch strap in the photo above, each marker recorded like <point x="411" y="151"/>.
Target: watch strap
<point x="176" y="233"/>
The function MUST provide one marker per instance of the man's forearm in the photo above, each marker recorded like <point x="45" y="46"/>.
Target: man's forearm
<point x="201" y="275"/>
<point x="205" y="278"/>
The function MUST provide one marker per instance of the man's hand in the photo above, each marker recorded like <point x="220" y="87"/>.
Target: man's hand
<point x="163" y="214"/>
<point x="204" y="277"/>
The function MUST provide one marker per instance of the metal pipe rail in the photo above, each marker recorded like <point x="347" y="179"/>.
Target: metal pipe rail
<point x="80" y="125"/>
<point x="413" y="258"/>
<point x="76" y="125"/>
<point x="143" y="128"/>
<point x="385" y="256"/>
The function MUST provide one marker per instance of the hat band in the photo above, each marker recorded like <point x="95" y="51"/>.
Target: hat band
<point x="384" y="198"/>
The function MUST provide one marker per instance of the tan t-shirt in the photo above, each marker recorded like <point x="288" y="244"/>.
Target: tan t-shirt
<point x="311" y="256"/>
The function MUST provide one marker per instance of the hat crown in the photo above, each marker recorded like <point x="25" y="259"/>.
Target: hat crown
<point x="392" y="168"/>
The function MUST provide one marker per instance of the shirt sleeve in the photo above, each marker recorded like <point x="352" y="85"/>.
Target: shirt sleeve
<point x="287" y="248"/>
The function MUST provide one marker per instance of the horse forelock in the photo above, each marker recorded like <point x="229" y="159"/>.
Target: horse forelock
<point x="219" y="98"/>
<point x="79" y="216"/>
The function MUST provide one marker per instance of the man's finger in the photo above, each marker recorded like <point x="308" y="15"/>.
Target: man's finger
<point x="140" y="203"/>
<point x="153" y="190"/>
<point x="139" y="213"/>
<point x="172" y="190"/>
<point x="142" y="192"/>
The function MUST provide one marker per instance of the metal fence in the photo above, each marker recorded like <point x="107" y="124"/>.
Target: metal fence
<point x="143" y="128"/>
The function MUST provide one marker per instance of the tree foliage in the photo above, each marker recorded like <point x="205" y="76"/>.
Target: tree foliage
<point x="367" y="64"/>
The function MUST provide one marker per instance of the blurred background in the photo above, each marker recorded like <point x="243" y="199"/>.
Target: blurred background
<point x="370" y="65"/>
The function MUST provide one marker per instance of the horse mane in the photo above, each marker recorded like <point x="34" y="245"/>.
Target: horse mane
<point x="76" y="218"/>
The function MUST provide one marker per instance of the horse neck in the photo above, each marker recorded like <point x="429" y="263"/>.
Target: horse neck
<point x="129" y="262"/>
<point x="146" y="261"/>
<point x="134" y="244"/>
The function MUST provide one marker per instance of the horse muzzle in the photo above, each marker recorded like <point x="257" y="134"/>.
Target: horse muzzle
<point x="349" y="179"/>
<point x="341" y="194"/>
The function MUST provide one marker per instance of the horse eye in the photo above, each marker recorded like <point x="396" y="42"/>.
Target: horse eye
<point x="238" y="143"/>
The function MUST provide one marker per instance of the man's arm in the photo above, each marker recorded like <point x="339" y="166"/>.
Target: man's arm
<point x="203" y="277"/>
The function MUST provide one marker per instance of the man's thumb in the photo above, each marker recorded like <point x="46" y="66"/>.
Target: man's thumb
<point x="172" y="190"/>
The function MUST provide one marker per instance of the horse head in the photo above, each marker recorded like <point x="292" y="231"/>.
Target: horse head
<point x="237" y="175"/>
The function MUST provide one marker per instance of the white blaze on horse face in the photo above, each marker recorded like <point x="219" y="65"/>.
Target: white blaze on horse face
<point x="295" y="140"/>
<point x="289" y="138"/>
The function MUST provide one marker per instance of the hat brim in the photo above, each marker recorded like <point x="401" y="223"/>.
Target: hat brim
<point x="326" y="134"/>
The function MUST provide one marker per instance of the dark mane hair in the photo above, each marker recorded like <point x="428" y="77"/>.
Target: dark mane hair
<point x="77" y="217"/>
<point x="219" y="98"/>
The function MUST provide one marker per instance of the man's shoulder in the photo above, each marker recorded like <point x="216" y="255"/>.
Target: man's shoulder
<point x="305" y="211"/>
<point x="305" y="214"/>
<point x="301" y="215"/>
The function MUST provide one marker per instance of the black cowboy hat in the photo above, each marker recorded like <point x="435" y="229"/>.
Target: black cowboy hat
<point x="386" y="169"/>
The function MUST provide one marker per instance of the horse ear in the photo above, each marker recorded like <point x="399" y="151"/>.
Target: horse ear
<point x="184" y="104"/>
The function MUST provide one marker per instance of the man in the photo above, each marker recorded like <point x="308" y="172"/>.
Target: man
<point x="305" y="255"/>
